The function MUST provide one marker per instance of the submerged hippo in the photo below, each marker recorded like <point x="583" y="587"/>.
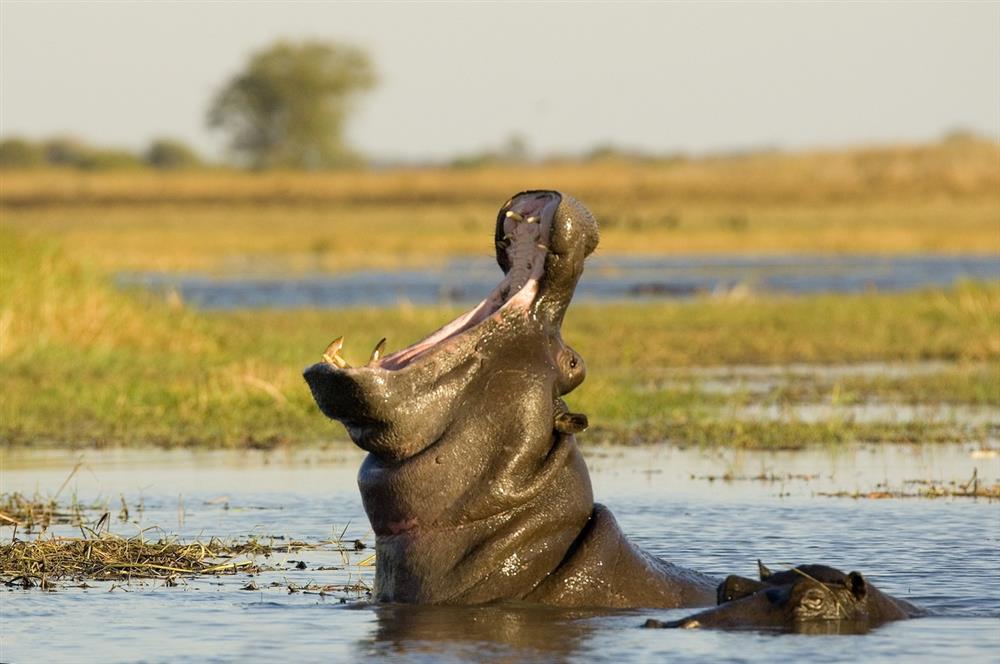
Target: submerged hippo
<point x="474" y="484"/>
<point x="807" y="598"/>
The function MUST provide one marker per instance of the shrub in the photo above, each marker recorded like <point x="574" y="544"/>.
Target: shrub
<point x="169" y="155"/>
<point x="20" y="153"/>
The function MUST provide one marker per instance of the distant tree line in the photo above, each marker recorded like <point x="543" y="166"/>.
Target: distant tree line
<point x="67" y="152"/>
<point x="287" y="109"/>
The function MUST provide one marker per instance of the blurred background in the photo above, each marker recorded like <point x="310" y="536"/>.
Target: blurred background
<point x="799" y="207"/>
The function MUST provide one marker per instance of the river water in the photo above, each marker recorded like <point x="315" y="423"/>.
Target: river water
<point x="607" y="278"/>
<point x="940" y="553"/>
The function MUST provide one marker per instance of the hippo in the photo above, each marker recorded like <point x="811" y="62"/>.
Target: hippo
<point x="473" y="483"/>
<point x="808" y="599"/>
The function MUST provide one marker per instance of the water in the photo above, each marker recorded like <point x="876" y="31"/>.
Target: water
<point x="941" y="554"/>
<point x="608" y="278"/>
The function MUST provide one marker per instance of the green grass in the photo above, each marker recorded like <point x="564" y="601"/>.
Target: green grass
<point x="977" y="385"/>
<point x="86" y="364"/>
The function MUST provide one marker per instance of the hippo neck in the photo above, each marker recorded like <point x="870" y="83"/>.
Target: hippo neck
<point x="504" y="556"/>
<point x="464" y="541"/>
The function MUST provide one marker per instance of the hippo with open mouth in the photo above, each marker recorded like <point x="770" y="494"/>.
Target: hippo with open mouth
<point x="813" y="599"/>
<point x="474" y="484"/>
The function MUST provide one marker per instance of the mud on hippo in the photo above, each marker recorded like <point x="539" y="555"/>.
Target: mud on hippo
<point x="813" y="599"/>
<point x="474" y="484"/>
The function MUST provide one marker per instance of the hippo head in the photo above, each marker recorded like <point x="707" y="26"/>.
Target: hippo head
<point x="465" y="428"/>
<point x="807" y="598"/>
<point x="399" y="404"/>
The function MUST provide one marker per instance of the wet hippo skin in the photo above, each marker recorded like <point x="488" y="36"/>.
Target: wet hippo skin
<point x="474" y="484"/>
<point x="813" y="599"/>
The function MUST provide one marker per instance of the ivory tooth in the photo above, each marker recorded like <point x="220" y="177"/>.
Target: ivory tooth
<point x="332" y="353"/>
<point x="514" y="215"/>
<point x="532" y="220"/>
<point x="334" y="346"/>
<point x="377" y="353"/>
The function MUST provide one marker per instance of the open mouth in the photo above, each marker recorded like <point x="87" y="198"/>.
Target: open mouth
<point x="523" y="234"/>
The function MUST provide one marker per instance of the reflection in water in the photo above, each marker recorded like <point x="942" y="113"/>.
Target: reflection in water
<point x="494" y="631"/>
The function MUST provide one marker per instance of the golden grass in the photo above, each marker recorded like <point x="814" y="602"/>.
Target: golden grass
<point x="940" y="198"/>
<point x="954" y="168"/>
<point x="108" y="557"/>
<point x="103" y="556"/>
<point x="336" y="237"/>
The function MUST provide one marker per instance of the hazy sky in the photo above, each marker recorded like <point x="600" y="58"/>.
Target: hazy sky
<point x="461" y="77"/>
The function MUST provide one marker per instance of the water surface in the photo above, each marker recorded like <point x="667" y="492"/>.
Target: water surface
<point x="607" y="278"/>
<point x="942" y="554"/>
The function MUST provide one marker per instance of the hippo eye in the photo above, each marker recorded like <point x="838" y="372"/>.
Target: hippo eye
<point x="572" y="363"/>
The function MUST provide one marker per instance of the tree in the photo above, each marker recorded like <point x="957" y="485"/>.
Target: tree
<point x="288" y="107"/>
<point x="168" y="154"/>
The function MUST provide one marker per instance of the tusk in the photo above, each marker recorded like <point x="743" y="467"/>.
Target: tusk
<point x="514" y="215"/>
<point x="377" y="353"/>
<point x="332" y="353"/>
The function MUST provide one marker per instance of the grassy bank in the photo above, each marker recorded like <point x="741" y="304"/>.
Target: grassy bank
<point x="932" y="198"/>
<point x="85" y="364"/>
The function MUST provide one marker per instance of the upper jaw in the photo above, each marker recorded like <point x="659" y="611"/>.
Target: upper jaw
<point x="542" y="239"/>
<point x="524" y="230"/>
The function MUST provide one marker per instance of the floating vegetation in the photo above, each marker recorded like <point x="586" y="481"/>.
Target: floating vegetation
<point x="19" y="510"/>
<point x="113" y="558"/>
<point x="357" y="587"/>
<point x="36" y="512"/>
<point x="972" y="488"/>
<point x="760" y="477"/>
<point x="108" y="557"/>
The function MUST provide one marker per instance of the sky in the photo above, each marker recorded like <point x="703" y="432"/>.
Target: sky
<point x="459" y="78"/>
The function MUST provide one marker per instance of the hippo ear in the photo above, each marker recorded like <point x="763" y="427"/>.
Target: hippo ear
<point x="857" y="584"/>
<point x="764" y="571"/>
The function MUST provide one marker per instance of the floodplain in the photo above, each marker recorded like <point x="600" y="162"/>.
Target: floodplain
<point x="159" y="455"/>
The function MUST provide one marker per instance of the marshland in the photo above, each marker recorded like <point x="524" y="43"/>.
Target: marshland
<point x="203" y="469"/>
<point x="90" y="362"/>
<point x="791" y="325"/>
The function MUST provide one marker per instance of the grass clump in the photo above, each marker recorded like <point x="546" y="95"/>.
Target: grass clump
<point x="109" y="557"/>
<point x="31" y="513"/>
<point x="99" y="555"/>
<point x="972" y="488"/>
